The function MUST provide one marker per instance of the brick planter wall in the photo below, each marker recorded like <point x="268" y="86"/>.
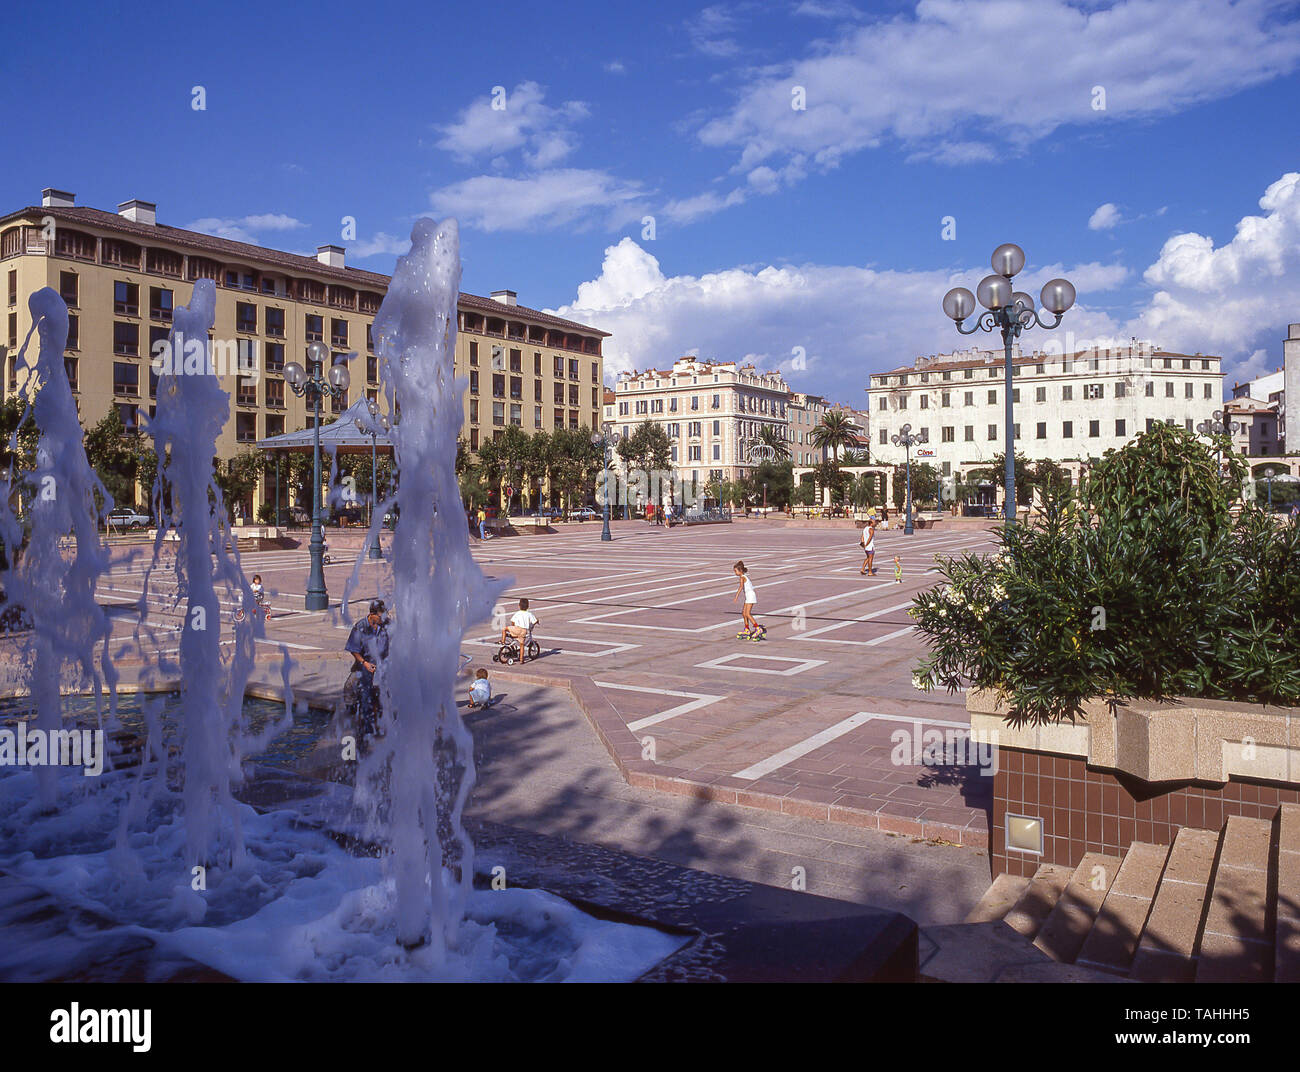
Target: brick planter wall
<point x="1088" y="810"/>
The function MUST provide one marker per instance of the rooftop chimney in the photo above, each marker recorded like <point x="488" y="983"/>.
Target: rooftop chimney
<point x="52" y="198"/>
<point x="330" y="256"/>
<point x="137" y="211"/>
<point x="505" y="297"/>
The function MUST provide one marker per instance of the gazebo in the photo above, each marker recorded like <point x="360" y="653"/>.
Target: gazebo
<point x="339" y="437"/>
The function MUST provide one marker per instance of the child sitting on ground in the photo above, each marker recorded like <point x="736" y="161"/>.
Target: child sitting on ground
<point x="480" y="692"/>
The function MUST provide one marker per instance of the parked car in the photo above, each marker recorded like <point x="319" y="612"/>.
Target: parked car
<point x="587" y="513"/>
<point x="127" y="518"/>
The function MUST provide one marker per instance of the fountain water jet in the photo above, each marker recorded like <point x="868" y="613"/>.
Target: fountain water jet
<point x="58" y="592"/>
<point x="438" y="592"/>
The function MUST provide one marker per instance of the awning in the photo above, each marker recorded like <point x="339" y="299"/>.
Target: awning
<point x="340" y="437"/>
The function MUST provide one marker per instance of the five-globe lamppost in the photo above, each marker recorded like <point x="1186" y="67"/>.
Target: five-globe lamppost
<point x="1222" y="424"/>
<point x="313" y="385"/>
<point x="906" y="439"/>
<point x="374" y="428"/>
<point x="1010" y="311"/>
<point x="605" y="439"/>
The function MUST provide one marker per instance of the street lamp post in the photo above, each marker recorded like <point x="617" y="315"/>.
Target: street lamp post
<point x="374" y="428"/>
<point x="906" y="439"/>
<point x="605" y="439"/>
<point x="1011" y="312"/>
<point x="1268" y="479"/>
<point x="1222" y="424"/>
<point x="311" y="384"/>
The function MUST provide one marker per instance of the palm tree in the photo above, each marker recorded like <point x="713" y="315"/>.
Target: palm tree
<point x="770" y="437"/>
<point x="834" y="432"/>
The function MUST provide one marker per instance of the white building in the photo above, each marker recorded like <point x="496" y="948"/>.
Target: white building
<point x="1289" y="404"/>
<point x="1071" y="407"/>
<point x="713" y="412"/>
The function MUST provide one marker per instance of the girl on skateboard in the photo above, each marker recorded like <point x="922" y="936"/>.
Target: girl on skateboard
<point x="752" y="630"/>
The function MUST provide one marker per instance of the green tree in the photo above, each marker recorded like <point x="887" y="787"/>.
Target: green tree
<point x="1024" y="477"/>
<point x="770" y="437"/>
<point x="834" y="432"/>
<point x="237" y="479"/>
<point x="647" y="447"/>
<point x="114" y="453"/>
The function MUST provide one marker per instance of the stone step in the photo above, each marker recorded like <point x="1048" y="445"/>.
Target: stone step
<point x="999" y="898"/>
<point x="1114" y="937"/>
<point x="1027" y="915"/>
<point x="1236" y="942"/>
<point x="1167" y="951"/>
<point x="1287" y="940"/>
<point x="1072" y="917"/>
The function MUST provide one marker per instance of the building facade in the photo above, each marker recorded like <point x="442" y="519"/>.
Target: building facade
<point x="122" y="274"/>
<point x="804" y="413"/>
<point x="712" y="412"/>
<point x="1069" y="407"/>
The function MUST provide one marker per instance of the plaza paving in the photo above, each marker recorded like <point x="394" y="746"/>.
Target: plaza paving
<point x="765" y="756"/>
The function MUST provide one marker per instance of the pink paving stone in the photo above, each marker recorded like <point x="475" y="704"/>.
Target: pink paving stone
<point x="805" y="809"/>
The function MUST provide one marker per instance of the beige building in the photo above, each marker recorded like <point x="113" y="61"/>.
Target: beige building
<point x="712" y="412"/>
<point x="804" y="413"/>
<point x="122" y="274"/>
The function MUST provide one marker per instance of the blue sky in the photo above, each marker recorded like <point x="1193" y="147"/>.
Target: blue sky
<point x="777" y="229"/>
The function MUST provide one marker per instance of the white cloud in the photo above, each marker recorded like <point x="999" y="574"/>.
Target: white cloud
<point x="1227" y="299"/>
<point x="828" y="9"/>
<point x="708" y="32"/>
<point x="560" y="197"/>
<point x="1106" y="217"/>
<point x="380" y="242"/>
<point x="527" y="123"/>
<point x="881" y="82"/>
<point x="245" y="228"/>
<point x="615" y="67"/>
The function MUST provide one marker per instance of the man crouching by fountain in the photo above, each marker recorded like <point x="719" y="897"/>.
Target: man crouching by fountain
<point x="368" y="644"/>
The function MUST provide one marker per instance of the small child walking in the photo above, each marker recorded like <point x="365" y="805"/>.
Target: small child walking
<point x="480" y="693"/>
<point x="898" y="570"/>
<point x="752" y="630"/>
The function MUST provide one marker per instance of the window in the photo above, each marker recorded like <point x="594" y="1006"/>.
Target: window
<point x="1187" y="363"/>
<point x="884" y="403"/>
<point x="595" y="372"/>
<point x="13" y="335"/>
<point x="275" y="323"/>
<point x="74" y="332"/>
<point x="1015" y="396"/>
<point x="970" y="398"/>
<point x="1208" y="391"/>
<point x="925" y="402"/>
<point x="516" y="387"/>
<point x="473" y="410"/>
<point x="498" y="413"/>
<point x="717" y="427"/>
<point x="1188" y="389"/>
<point x="970" y="433"/>
<point x="1094" y="429"/>
<point x="902" y="402"/>
<point x="68" y="288"/>
<point x="126" y="378"/>
<point x="275" y="393"/>
<point x="70" y="369"/>
<point x="1041" y="430"/>
<point x="595" y="395"/>
<point x="717" y="452"/>
<point x="993" y="371"/>
<point x="695" y="401"/>
<point x="693" y="428"/>
<point x="246" y="317"/>
<point x="498" y="385"/>
<point x="473" y="439"/>
<point x="338" y="333"/>
<point x="672" y="405"/>
<point x="126" y="299"/>
<point x="516" y="415"/>
<point x="1067" y="430"/>
<point x="573" y="368"/>
<point x="993" y="398"/>
<point x="1151" y="423"/>
<point x="947" y="375"/>
<point x="1094" y="391"/>
<point x="1067" y="393"/>
<point x="993" y="432"/>
<point x="1120" y="429"/>
<point x="160" y="304"/>
<point x="275" y="357"/>
<point x="372" y="369"/>
<point x="969" y="374"/>
<point x="573" y="394"/>
<point x="1040" y="394"/>
<point x="945" y="399"/>
<point x="717" y="402"/>
<point x="1150" y="391"/>
<point x="1120" y="389"/>
<point x="516" y="361"/>
<point x="884" y="437"/>
<point x="473" y="352"/>
<point x="246" y="393"/>
<point x="559" y="371"/>
<point x="1169" y="390"/>
<point x="126" y="339"/>
<point x="314" y="328"/>
<point x="128" y="412"/>
<point x="945" y="433"/>
<point x="537" y="416"/>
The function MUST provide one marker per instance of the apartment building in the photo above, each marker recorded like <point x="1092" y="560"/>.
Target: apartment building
<point x="804" y="413"/>
<point x="1067" y="407"/>
<point x="713" y="412"/>
<point x="122" y="274"/>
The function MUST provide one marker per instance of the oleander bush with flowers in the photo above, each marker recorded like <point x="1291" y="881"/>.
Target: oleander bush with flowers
<point x="1139" y="584"/>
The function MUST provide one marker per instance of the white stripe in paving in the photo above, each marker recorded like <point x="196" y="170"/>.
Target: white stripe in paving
<point x="697" y="700"/>
<point x="831" y="733"/>
<point x="721" y="663"/>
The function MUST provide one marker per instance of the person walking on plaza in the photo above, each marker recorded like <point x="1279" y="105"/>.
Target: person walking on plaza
<point x="868" y="543"/>
<point x="752" y="630"/>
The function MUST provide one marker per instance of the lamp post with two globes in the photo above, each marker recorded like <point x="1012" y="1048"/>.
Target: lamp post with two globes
<point x="313" y="385"/>
<point x="906" y="439"/>
<point x="605" y="439"/>
<point x="1011" y="312"/>
<point x="374" y="428"/>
